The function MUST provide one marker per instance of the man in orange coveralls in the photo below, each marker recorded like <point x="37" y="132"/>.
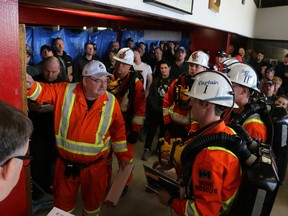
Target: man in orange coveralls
<point x="216" y="171"/>
<point x="87" y="119"/>
<point x="176" y="114"/>
<point x="129" y="91"/>
<point x="245" y="80"/>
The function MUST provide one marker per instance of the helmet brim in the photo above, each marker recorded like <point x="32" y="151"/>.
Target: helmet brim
<point x="121" y="60"/>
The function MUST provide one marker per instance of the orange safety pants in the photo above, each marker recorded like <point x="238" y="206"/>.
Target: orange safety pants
<point x="93" y="183"/>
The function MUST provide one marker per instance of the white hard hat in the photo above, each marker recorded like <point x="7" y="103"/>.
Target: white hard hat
<point x="229" y="61"/>
<point x="125" y="55"/>
<point x="95" y="68"/>
<point x="199" y="58"/>
<point x="213" y="87"/>
<point x="244" y="75"/>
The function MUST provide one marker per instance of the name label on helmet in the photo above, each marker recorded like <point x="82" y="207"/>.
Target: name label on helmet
<point x="246" y="76"/>
<point x="208" y="82"/>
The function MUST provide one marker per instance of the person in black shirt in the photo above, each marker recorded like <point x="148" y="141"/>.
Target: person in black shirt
<point x="43" y="138"/>
<point x="259" y="65"/>
<point x="281" y="70"/>
<point x="157" y="92"/>
<point x="64" y="58"/>
<point x="79" y="64"/>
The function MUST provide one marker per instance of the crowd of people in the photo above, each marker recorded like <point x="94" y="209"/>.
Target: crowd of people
<point x="85" y="110"/>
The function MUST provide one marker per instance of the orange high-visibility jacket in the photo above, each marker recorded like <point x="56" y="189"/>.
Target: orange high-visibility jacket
<point x="83" y="135"/>
<point x="256" y="127"/>
<point x="172" y="112"/>
<point x="139" y="102"/>
<point x="253" y="125"/>
<point x="216" y="176"/>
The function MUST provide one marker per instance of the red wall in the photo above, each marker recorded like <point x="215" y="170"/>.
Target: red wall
<point x="9" y="58"/>
<point x="15" y="203"/>
<point x="210" y="39"/>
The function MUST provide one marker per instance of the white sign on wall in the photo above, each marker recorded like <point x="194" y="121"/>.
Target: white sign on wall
<point x="162" y="35"/>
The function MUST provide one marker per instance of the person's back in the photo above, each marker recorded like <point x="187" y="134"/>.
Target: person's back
<point x="212" y="177"/>
<point x="176" y="110"/>
<point x="15" y="131"/>
<point x="245" y="81"/>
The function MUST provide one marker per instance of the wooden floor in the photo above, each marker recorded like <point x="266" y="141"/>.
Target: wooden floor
<point x="137" y="202"/>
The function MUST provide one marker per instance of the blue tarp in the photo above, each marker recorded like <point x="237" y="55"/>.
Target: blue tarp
<point x="138" y="36"/>
<point x="74" y="43"/>
<point x="103" y="40"/>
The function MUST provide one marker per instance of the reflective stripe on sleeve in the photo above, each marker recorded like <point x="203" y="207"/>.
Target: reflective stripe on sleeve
<point x="37" y="92"/>
<point x="139" y="120"/>
<point x="120" y="146"/>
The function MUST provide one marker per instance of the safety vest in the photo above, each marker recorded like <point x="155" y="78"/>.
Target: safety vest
<point x="81" y="147"/>
<point x="102" y="136"/>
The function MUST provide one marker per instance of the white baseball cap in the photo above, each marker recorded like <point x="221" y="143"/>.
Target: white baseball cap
<point x="95" y="68"/>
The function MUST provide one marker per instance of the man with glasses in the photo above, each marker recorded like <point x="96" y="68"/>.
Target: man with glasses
<point x="15" y="130"/>
<point x="87" y="122"/>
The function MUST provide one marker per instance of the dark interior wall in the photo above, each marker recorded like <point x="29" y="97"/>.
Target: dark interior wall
<point x="239" y="41"/>
<point x="203" y="38"/>
<point x="272" y="49"/>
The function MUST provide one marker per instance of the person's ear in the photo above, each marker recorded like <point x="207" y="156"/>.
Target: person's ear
<point x="9" y="170"/>
<point x="208" y="105"/>
<point x="244" y="91"/>
<point x="84" y="81"/>
<point x="9" y="176"/>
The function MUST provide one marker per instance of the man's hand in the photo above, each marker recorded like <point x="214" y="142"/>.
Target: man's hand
<point x="70" y="78"/>
<point x="29" y="81"/>
<point x="123" y="164"/>
<point x="164" y="197"/>
<point x="34" y="105"/>
<point x="133" y="137"/>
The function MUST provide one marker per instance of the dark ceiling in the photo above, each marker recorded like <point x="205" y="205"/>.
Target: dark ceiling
<point x="270" y="3"/>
